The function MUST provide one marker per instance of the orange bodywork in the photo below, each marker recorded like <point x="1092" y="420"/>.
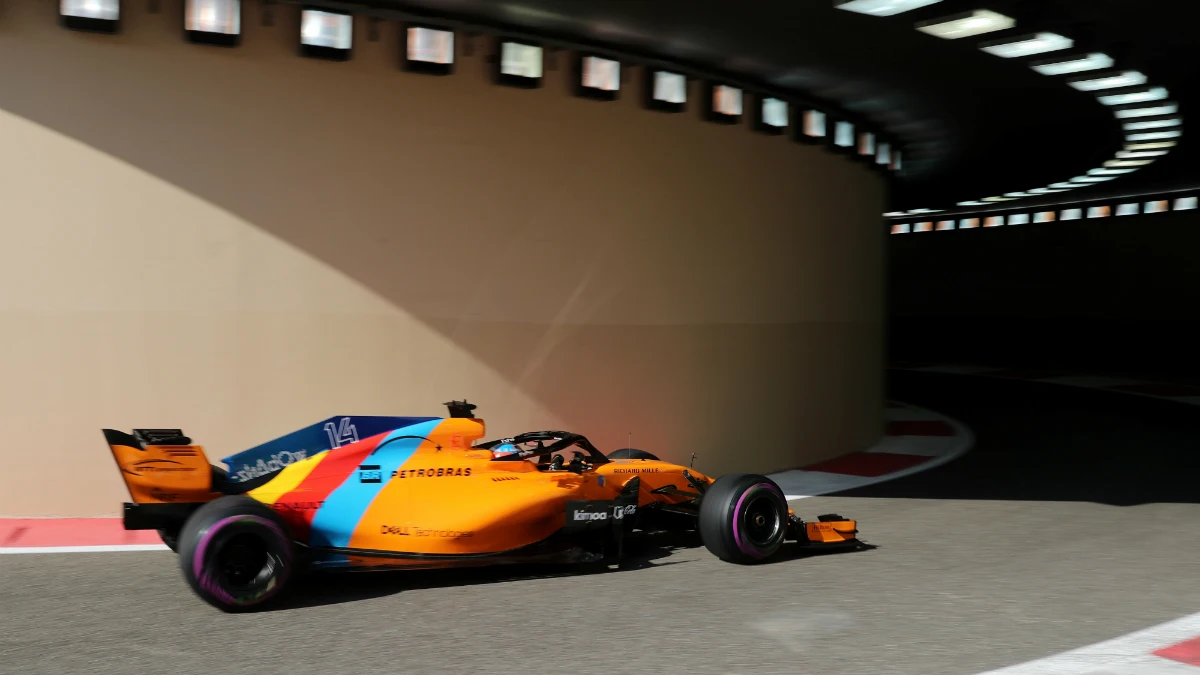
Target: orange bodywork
<point x="429" y="493"/>
<point x="164" y="474"/>
<point x="831" y="532"/>
<point x="441" y="496"/>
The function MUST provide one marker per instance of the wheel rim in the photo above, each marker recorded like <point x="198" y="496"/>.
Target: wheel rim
<point x="761" y="522"/>
<point x="244" y="562"/>
<point x="239" y="561"/>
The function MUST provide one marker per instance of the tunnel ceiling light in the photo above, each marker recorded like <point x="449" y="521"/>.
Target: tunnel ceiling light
<point x="214" y="16"/>
<point x="601" y="74"/>
<point x="100" y="16"/>
<point x="1063" y="186"/>
<point x="1092" y="179"/>
<point x="895" y="214"/>
<point x="1168" y="109"/>
<point x="884" y="156"/>
<point x="843" y="134"/>
<point x="1151" y="146"/>
<point x="1126" y="154"/>
<point x="521" y="60"/>
<point x="1153" y="124"/>
<point x="726" y="100"/>
<point x="1128" y="78"/>
<point x="958" y="26"/>
<point x="1075" y="64"/>
<point x="1114" y="163"/>
<point x="1109" y="172"/>
<point x="670" y="87"/>
<point x="920" y="211"/>
<point x="815" y="125"/>
<point x="882" y="7"/>
<point x="326" y="34"/>
<point x="775" y="114"/>
<point x="430" y="45"/>
<point x="972" y="203"/>
<point x="105" y="10"/>
<point x="213" y="21"/>
<point x="866" y="144"/>
<point x="1155" y="135"/>
<point x="1017" y="194"/>
<point x="1140" y="96"/>
<point x="999" y="199"/>
<point x="1029" y="45"/>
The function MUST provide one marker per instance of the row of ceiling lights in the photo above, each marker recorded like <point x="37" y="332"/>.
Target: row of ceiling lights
<point x="1152" y="124"/>
<point x="329" y="34"/>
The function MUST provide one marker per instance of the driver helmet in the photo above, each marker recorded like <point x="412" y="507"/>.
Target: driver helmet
<point x="504" y="449"/>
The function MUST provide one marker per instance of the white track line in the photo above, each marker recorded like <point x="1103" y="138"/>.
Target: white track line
<point x="83" y="549"/>
<point x="1130" y="654"/>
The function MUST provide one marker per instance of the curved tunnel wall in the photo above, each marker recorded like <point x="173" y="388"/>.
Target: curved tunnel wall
<point x="241" y="242"/>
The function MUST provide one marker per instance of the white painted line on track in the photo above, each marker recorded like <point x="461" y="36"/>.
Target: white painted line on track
<point x="83" y="549"/>
<point x="1131" y="654"/>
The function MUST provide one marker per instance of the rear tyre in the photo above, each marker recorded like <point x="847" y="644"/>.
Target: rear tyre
<point x="236" y="553"/>
<point x="170" y="538"/>
<point x="631" y="453"/>
<point x="743" y="518"/>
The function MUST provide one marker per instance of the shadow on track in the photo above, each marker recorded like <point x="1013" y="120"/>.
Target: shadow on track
<point x="337" y="587"/>
<point x="643" y="551"/>
<point x="1046" y="442"/>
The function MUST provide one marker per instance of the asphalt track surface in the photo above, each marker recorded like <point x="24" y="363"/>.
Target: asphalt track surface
<point x="1072" y="521"/>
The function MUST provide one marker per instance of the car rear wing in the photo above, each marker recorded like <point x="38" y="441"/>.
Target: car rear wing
<point x="161" y="466"/>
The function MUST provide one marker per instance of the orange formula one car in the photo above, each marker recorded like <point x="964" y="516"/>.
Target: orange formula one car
<point x="428" y="494"/>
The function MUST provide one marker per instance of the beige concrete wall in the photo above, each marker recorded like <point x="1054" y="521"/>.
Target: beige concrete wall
<point x="242" y="242"/>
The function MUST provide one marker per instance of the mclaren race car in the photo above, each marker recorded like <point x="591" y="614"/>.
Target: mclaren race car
<point x="387" y="493"/>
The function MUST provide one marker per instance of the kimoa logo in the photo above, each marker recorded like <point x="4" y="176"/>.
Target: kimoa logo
<point x="590" y="515"/>
<point x="275" y="463"/>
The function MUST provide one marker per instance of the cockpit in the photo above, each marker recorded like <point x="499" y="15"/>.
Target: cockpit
<point x="548" y="450"/>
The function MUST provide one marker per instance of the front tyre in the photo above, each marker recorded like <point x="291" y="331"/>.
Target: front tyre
<point x="235" y="553"/>
<point x="743" y="518"/>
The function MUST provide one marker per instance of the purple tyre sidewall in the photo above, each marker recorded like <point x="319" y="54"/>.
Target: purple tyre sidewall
<point x="206" y="578"/>
<point x="738" y="538"/>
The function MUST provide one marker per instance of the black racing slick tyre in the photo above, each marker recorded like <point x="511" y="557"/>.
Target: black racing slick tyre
<point x="743" y="518"/>
<point x="236" y="553"/>
<point x="631" y="453"/>
<point x="170" y="538"/>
